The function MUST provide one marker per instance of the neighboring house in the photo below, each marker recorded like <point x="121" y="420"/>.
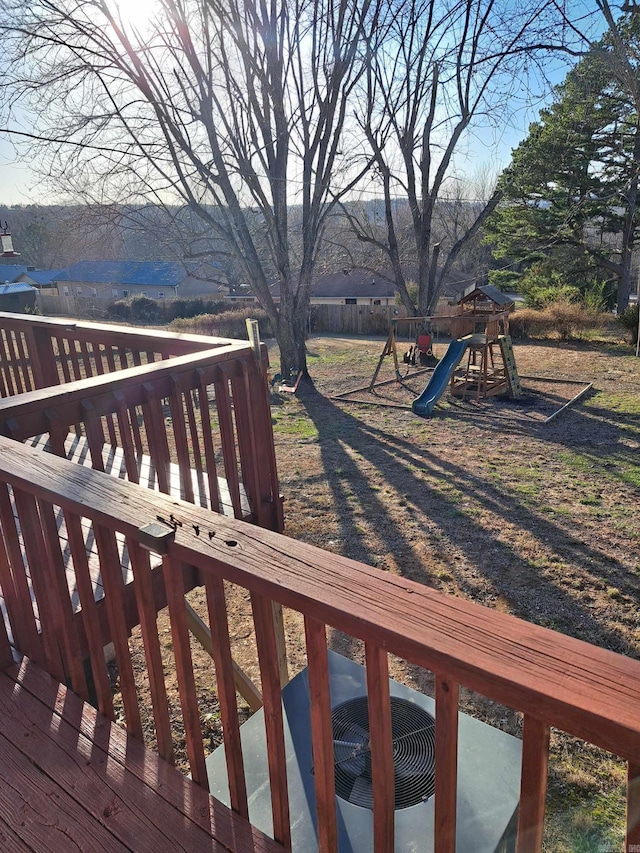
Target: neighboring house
<point x="354" y="286"/>
<point x="109" y="280"/>
<point x="42" y="279"/>
<point x="10" y="272"/>
<point x="15" y="298"/>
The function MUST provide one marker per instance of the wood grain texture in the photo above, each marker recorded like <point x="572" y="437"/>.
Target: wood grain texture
<point x="321" y="735"/>
<point x="447" y="695"/>
<point x="533" y="785"/>
<point x="174" y="585"/>
<point x="382" y="765"/>
<point x="225" y="678"/>
<point x="157" y="778"/>
<point x="273" y="721"/>
<point x="590" y="692"/>
<point x="632" y="836"/>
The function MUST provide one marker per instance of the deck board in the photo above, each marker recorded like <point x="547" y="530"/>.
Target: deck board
<point x="70" y="779"/>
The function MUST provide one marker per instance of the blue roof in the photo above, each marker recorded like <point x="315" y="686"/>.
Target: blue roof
<point x="153" y="273"/>
<point x="20" y="287"/>
<point x="10" y="272"/>
<point x="45" y="276"/>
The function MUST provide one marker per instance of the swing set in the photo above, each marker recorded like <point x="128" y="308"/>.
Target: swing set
<point x="419" y="353"/>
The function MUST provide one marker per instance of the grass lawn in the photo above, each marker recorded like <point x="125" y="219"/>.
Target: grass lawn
<point x="486" y="501"/>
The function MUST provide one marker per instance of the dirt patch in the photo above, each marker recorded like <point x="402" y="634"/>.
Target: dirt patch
<point x="484" y="501"/>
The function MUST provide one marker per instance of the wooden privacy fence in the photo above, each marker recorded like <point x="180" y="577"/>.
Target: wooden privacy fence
<point x="552" y="679"/>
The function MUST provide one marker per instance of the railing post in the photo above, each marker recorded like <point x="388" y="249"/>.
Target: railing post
<point x="632" y="837"/>
<point x="533" y="785"/>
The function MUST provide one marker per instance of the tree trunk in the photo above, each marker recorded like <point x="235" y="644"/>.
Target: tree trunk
<point x="628" y="232"/>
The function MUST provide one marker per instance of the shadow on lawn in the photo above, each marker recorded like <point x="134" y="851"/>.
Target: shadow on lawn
<point x="499" y="570"/>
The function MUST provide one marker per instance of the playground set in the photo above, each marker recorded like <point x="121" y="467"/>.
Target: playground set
<point x="478" y="363"/>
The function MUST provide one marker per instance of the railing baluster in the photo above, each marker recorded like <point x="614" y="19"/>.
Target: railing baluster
<point x="59" y="593"/>
<point x="321" y="734"/>
<point x="75" y="362"/>
<point x="533" y="785"/>
<point x="99" y="370"/>
<point x="249" y="457"/>
<point x="50" y="622"/>
<point x="62" y="355"/>
<point x="111" y="573"/>
<point x="446" y="764"/>
<point x="10" y="389"/>
<point x="174" y="585"/>
<point x="27" y="376"/>
<point x="141" y="566"/>
<point x="24" y="629"/>
<point x="227" y="438"/>
<point x="209" y="451"/>
<point x="195" y="446"/>
<point x="223" y="661"/>
<point x="15" y="361"/>
<point x="90" y="620"/>
<point x="274" y="726"/>
<point x="157" y="437"/>
<point x="180" y="439"/>
<point x="632" y="836"/>
<point x="382" y="771"/>
<point x="122" y="414"/>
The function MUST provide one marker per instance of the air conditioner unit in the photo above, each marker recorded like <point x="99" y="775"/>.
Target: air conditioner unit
<point x="488" y="770"/>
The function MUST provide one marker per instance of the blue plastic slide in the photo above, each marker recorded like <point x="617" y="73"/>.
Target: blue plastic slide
<point x="425" y="403"/>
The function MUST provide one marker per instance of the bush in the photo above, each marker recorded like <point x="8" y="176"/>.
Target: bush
<point x="227" y="324"/>
<point x="120" y="310"/>
<point x="194" y="307"/>
<point x="629" y="321"/>
<point x="566" y="320"/>
<point x="146" y="310"/>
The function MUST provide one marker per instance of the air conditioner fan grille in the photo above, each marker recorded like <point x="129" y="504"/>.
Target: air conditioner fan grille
<point x="413" y="735"/>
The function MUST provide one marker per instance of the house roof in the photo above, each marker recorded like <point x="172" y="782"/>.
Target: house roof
<point x="153" y="273"/>
<point x="44" y="277"/>
<point x="20" y="287"/>
<point x="353" y="283"/>
<point x="486" y="291"/>
<point x="10" y="272"/>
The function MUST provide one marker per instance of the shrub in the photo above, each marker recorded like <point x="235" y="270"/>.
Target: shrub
<point x="563" y="319"/>
<point x="227" y="324"/>
<point x="194" y="307"/>
<point x="629" y="321"/>
<point x="120" y="310"/>
<point x="146" y="310"/>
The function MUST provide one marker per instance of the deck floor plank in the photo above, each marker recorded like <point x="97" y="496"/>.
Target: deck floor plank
<point x="194" y="817"/>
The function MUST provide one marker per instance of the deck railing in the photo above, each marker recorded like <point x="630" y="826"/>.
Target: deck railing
<point x="552" y="679"/>
<point x="185" y="414"/>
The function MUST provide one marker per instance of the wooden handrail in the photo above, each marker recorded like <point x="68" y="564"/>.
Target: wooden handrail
<point x="554" y="679"/>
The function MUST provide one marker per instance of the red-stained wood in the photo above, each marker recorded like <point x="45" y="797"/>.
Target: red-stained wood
<point x="632" y="836"/>
<point x="141" y="565"/>
<point x="533" y="785"/>
<point x="5" y="361"/>
<point x="174" y="585"/>
<point x="73" y="357"/>
<point x="209" y="450"/>
<point x="23" y="624"/>
<point x="273" y="721"/>
<point x="113" y="589"/>
<point x="49" y="615"/>
<point x="89" y="614"/>
<point x="42" y="356"/>
<point x="6" y="655"/>
<point x="160" y="781"/>
<point x="194" y="439"/>
<point x="126" y="441"/>
<point x="157" y="436"/>
<point x="180" y="440"/>
<point x="382" y="768"/>
<point x="447" y="693"/>
<point x="15" y="362"/>
<point x="63" y="362"/>
<point x="27" y="375"/>
<point x="227" y="439"/>
<point x="246" y="436"/>
<point x="221" y="650"/>
<point x="321" y="735"/>
<point x="59" y="594"/>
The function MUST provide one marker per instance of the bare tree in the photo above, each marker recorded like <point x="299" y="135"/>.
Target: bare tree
<point x="235" y="108"/>
<point x="436" y="70"/>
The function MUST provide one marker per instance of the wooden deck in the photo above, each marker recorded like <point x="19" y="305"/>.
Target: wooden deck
<point x="72" y="780"/>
